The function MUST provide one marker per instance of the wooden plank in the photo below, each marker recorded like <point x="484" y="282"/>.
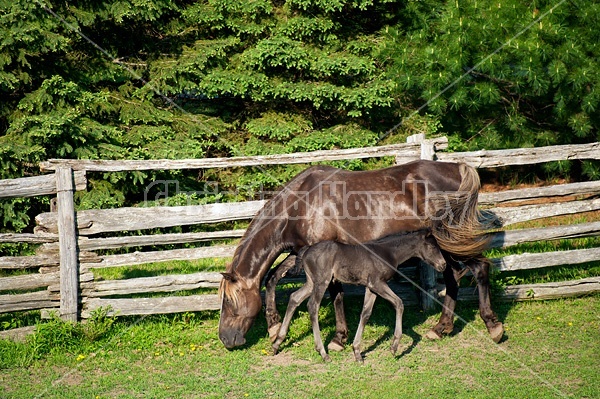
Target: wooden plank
<point x="542" y="291"/>
<point x="28" y="238"/>
<point x="530" y="194"/>
<point x="17" y="334"/>
<point x="83" y="278"/>
<point x="512" y="215"/>
<point x="122" y="219"/>
<point x="26" y="262"/>
<point x="42" y="260"/>
<point x="527" y="261"/>
<point x="147" y="306"/>
<point x="28" y="281"/>
<point x="37" y="185"/>
<point x="67" y="236"/>
<point x="28" y="301"/>
<point x="169" y="283"/>
<point x="509" y="238"/>
<point x="410" y="151"/>
<point x="138" y="258"/>
<point x="523" y="156"/>
<point x="93" y="244"/>
<point x="193" y="303"/>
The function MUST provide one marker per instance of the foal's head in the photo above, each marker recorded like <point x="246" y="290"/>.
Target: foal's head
<point x="429" y="251"/>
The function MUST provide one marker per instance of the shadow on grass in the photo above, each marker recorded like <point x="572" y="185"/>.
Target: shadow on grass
<point x="383" y="316"/>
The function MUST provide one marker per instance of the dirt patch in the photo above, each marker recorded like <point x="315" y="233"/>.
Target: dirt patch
<point x="285" y="359"/>
<point x="69" y="377"/>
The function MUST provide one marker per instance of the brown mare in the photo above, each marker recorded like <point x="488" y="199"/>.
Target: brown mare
<point x="371" y="265"/>
<point x="324" y="203"/>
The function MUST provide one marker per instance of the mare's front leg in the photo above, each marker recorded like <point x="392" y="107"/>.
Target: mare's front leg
<point x="365" y="314"/>
<point x="341" y="327"/>
<point x="295" y="300"/>
<point x="445" y="325"/>
<point x="481" y="270"/>
<point x="271" y="313"/>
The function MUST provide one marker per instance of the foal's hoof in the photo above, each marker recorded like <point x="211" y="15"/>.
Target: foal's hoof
<point x="497" y="332"/>
<point x="433" y="335"/>
<point x="359" y="359"/>
<point x="335" y="346"/>
<point x="273" y="332"/>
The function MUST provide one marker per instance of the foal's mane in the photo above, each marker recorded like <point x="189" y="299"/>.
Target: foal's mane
<point x="384" y="239"/>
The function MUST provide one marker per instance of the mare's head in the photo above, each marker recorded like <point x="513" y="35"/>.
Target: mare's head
<point x="430" y="252"/>
<point x="240" y="304"/>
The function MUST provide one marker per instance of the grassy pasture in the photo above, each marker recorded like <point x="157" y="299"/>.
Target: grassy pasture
<point x="550" y="350"/>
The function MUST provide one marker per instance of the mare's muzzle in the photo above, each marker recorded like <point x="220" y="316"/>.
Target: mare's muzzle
<point x="232" y="338"/>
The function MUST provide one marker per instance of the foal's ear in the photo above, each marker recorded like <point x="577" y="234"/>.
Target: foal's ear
<point x="229" y="277"/>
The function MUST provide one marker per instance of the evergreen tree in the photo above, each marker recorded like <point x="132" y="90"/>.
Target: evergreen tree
<point x="501" y="74"/>
<point x="189" y="79"/>
<point x="162" y="79"/>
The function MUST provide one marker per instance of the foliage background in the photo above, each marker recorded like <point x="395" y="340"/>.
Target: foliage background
<point x="149" y="79"/>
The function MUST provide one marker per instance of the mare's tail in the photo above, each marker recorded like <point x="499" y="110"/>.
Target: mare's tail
<point x="457" y="224"/>
<point x="298" y="263"/>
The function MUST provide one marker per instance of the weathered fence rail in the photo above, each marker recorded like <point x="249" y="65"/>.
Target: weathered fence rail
<point x="69" y="240"/>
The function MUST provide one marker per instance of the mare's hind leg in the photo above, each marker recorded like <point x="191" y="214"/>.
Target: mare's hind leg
<point x="295" y="300"/>
<point x="445" y="325"/>
<point x="365" y="314"/>
<point x="271" y="313"/>
<point x="341" y="328"/>
<point x="481" y="270"/>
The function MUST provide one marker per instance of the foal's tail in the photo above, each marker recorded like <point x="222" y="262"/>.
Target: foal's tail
<point x="457" y="224"/>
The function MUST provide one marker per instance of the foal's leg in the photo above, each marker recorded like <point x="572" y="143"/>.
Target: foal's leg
<point x="271" y="313"/>
<point x="365" y="314"/>
<point x="481" y="270"/>
<point x="446" y="323"/>
<point x="295" y="300"/>
<point x="314" y="303"/>
<point x="383" y="290"/>
<point x="341" y="328"/>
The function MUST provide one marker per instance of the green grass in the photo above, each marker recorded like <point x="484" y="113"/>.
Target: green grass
<point x="551" y="350"/>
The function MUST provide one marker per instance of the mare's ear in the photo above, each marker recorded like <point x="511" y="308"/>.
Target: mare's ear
<point x="229" y="277"/>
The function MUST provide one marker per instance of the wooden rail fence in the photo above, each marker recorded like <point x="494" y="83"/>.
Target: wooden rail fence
<point x="63" y="277"/>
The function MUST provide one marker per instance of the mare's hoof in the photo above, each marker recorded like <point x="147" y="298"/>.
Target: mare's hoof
<point x="273" y="332"/>
<point x="335" y="346"/>
<point x="433" y="335"/>
<point x="497" y="332"/>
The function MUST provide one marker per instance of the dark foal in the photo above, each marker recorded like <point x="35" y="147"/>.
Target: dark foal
<point x="370" y="264"/>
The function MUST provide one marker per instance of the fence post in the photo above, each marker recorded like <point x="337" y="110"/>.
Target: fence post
<point x="427" y="274"/>
<point x="67" y="238"/>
